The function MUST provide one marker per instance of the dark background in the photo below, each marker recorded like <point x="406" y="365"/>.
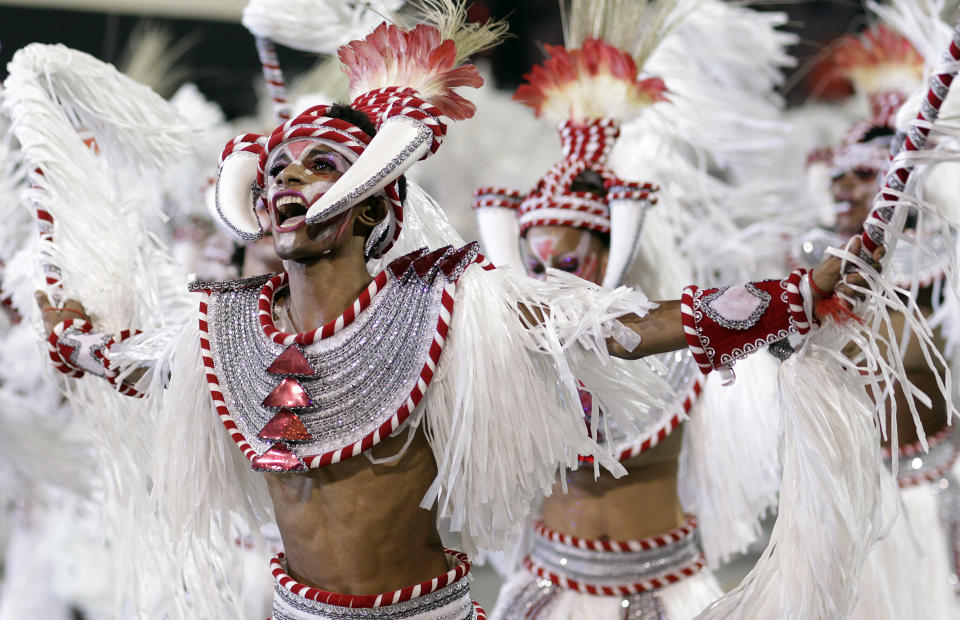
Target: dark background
<point x="224" y="64"/>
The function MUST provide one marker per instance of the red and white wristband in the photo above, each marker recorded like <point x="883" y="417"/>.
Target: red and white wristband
<point x="727" y="324"/>
<point x="75" y="350"/>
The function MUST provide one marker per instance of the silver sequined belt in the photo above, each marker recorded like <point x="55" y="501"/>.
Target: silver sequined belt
<point x="917" y="467"/>
<point x="616" y="568"/>
<point x="446" y="597"/>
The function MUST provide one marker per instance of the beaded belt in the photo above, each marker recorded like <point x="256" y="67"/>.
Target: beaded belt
<point x="917" y="467"/>
<point x="633" y="569"/>
<point x="446" y="597"/>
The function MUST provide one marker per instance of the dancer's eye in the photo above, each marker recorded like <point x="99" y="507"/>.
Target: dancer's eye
<point x="570" y="264"/>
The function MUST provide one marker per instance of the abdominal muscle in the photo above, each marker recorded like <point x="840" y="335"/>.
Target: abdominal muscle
<point x="643" y="503"/>
<point x="356" y="527"/>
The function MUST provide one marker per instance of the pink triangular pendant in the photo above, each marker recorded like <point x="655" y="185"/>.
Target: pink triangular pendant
<point x="288" y="394"/>
<point x="291" y="362"/>
<point x="426" y="262"/>
<point x="278" y="458"/>
<point x="285" y="426"/>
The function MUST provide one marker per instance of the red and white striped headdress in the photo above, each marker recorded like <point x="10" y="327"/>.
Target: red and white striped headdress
<point x="883" y="67"/>
<point x="589" y="91"/>
<point x="403" y="80"/>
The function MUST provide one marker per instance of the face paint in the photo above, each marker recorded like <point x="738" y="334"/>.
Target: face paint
<point x="298" y="174"/>
<point x="575" y="251"/>
<point x="853" y="192"/>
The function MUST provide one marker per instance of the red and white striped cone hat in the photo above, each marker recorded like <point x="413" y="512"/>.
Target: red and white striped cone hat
<point x="405" y="79"/>
<point x="588" y="91"/>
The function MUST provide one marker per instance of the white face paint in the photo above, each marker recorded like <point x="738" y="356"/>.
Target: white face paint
<point x="298" y="173"/>
<point x="569" y="249"/>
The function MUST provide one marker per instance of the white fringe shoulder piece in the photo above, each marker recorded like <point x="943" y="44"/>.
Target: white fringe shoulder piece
<point x="503" y="414"/>
<point x="102" y="201"/>
<point x="499" y="448"/>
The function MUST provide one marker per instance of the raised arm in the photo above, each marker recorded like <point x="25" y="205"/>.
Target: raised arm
<point x="75" y="349"/>
<point x="773" y="312"/>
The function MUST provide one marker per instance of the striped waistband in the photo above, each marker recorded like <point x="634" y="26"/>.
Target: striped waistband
<point x="613" y="568"/>
<point x="917" y="467"/>
<point x="446" y="596"/>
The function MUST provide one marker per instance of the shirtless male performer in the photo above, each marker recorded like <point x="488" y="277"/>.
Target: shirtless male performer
<point x="324" y="362"/>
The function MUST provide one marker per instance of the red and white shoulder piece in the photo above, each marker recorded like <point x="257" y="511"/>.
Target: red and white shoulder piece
<point x="298" y="401"/>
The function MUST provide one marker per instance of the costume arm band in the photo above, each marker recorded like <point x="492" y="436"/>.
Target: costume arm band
<point x="724" y="325"/>
<point x="75" y="350"/>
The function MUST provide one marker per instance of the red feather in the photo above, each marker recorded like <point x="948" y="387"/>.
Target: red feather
<point x="874" y="47"/>
<point x="565" y="68"/>
<point x="416" y="59"/>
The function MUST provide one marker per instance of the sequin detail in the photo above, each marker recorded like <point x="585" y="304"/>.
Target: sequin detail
<point x="713" y="303"/>
<point x="369" y="375"/>
<point x="615" y="568"/>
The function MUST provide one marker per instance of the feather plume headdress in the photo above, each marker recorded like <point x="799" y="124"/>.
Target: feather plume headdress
<point x="878" y="60"/>
<point x="590" y="87"/>
<point x="567" y="84"/>
<point x="883" y="67"/>
<point x="403" y="79"/>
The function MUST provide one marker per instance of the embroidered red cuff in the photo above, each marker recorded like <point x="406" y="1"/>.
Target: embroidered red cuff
<point x="727" y="324"/>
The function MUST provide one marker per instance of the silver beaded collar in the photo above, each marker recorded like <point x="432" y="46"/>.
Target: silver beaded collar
<point x="336" y="396"/>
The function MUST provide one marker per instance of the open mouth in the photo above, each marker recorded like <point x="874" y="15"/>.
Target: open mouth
<point x="289" y="211"/>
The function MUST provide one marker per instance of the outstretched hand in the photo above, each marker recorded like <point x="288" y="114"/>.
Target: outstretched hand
<point x="828" y="277"/>
<point x="52" y="315"/>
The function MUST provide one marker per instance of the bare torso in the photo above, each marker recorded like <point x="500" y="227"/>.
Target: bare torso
<point x="642" y="503"/>
<point x="356" y="527"/>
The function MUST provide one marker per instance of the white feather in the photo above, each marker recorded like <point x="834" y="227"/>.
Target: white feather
<point x="318" y="26"/>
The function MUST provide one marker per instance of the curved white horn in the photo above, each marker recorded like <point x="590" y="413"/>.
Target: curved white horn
<point x="500" y="235"/>
<point x="626" y="222"/>
<point x="399" y="143"/>
<point x="235" y="195"/>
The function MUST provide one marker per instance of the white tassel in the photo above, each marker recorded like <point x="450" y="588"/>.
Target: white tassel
<point x="892" y="582"/>
<point x="113" y="264"/>
<point x="730" y="465"/>
<point x="828" y="516"/>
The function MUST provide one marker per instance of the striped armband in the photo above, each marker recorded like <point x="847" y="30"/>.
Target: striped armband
<point x="75" y="350"/>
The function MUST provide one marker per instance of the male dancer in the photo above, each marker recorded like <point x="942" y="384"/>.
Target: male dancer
<point x="884" y="67"/>
<point x="311" y="368"/>
<point x="613" y="547"/>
